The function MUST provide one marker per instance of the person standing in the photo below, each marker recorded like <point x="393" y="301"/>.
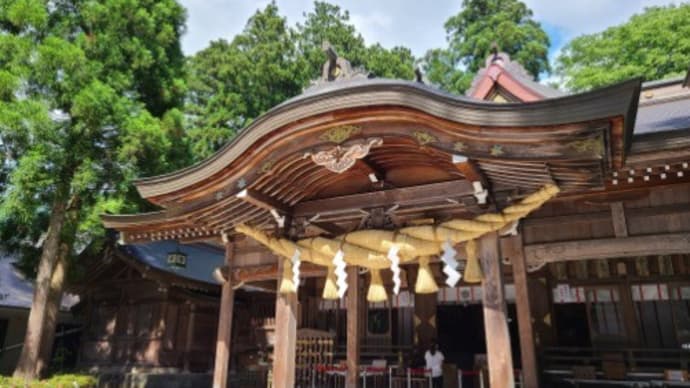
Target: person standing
<point x="434" y="362"/>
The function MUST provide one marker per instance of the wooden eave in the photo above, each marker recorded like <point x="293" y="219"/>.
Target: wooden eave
<point x="103" y="263"/>
<point x="262" y="174"/>
<point x="459" y="117"/>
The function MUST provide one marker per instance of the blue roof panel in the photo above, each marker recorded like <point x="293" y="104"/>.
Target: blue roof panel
<point x="18" y="291"/>
<point x="202" y="259"/>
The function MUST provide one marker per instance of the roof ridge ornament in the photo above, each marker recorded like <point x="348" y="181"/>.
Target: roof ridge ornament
<point x="337" y="68"/>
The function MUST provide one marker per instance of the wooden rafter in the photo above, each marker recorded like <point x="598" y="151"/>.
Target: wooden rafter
<point x="262" y="201"/>
<point x="472" y="172"/>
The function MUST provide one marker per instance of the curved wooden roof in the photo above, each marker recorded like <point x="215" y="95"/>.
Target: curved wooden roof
<point x="469" y="119"/>
<point x="572" y="141"/>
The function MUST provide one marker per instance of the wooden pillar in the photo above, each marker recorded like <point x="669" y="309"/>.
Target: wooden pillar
<point x="498" y="351"/>
<point x="513" y="250"/>
<point x="189" y="340"/>
<point x="354" y="329"/>
<point x="425" y="320"/>
<point x="227" y="300"/>
<point x="285" y="337"/>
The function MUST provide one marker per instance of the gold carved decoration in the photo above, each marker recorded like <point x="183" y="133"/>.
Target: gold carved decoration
<point x="340" y="158"/>
<point x="594" y="145"/>
<point x="459" y="146"/>
<point x="340" y="134"/>
<point x="266" y="167"/>
<point x="424" y="138"/>
<point x="496" y="150"/>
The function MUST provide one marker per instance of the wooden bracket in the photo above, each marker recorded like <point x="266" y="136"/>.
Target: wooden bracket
<point x="262" y="201"/>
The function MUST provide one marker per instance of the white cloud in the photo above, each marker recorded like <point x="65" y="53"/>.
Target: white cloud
<point x="209" y="20"/>
<point x="374" y="27"/>
<point x="411" y="23"/>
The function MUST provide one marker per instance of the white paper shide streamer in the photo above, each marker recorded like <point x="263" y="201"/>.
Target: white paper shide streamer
<point x="295" y="267"/>
<point x="395" y="267"/>
<point x="340" y="273"/>
<point x="450" y="265"/>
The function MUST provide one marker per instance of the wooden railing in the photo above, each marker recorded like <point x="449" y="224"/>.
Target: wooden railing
<point x="370" y="352"/>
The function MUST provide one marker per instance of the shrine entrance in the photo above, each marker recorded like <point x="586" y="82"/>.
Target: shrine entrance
<point x="461" y="336"/>
<point x="384" y="188"/>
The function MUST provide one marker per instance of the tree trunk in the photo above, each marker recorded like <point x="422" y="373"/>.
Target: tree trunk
<point x="36" y="326"/>
<point x="57" y="283"/>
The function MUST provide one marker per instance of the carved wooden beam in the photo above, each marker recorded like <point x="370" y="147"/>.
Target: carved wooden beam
<point x="660" y="244"/>
<point x="270" y="272"/>
<point x="406" y="196"/>
<point x="263" y="201"/>
<point x="632" y="215"/>
<point x="328" y="227"/>
<point x="472" y="172"/>
<point x="374" y="173"/>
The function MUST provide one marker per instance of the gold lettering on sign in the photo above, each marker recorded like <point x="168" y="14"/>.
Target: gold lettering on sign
<point x="340" y="158"/>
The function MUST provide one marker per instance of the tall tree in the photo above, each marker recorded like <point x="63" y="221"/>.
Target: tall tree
<point x="232" y="83"/>
<point x="396" y="63"/>
<point x="443" y="70"/>
<point x="653" y="45"/>
<point x="78" y="79"/>
<point x="472" y="33"/>
<point x="329" y="23"/>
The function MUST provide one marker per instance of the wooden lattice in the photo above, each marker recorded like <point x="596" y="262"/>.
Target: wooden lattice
<point x="314" y="347"/>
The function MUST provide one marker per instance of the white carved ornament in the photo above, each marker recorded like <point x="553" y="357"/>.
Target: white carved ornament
<point x="340" y="158"/>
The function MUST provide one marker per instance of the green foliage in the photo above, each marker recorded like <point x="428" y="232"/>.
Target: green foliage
<point x="88" y="91"/>
<point x="441" y="69"/>
<point x="57" y="381"/>
<point x="138" y="45"/>
<point x="472" y="33"/>
<point x="653" y="45"/>
<point x="397" y="63"/>
<point x="329" y="23"/>
<point x="232" y="83"/>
